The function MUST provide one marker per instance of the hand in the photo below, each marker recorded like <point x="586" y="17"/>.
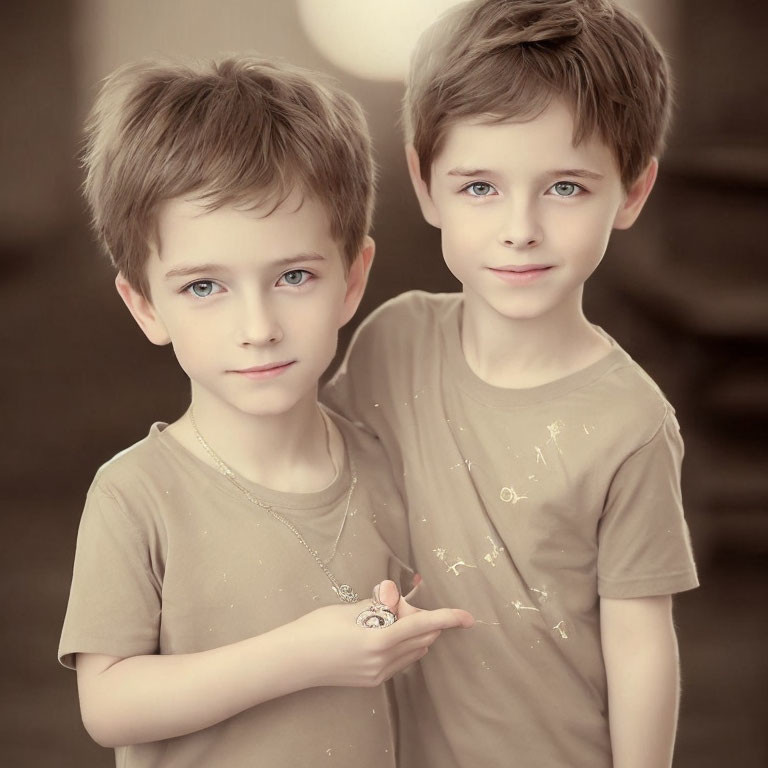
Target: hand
<point x="390" y="595"/>
<point x="339" y="652"/>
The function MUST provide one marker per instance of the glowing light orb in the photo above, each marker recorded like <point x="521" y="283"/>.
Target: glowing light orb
<point x="372" y="39"/>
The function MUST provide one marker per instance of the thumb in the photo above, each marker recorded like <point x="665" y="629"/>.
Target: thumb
<point x="388" y="594"/>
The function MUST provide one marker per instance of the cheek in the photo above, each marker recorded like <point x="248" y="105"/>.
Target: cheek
<point x="192" y="350"/>
<point x="321" y="343"/>
<point x="198" y="338"/>
<point x="318" y="322"/>
<point x="194" y="359"/>
<point x="461" y="242"/>
<point x="452" y="254"/>
<point x="598" y="239"/>
<point x="585" y="237"/>
<point x="189" y="328"/>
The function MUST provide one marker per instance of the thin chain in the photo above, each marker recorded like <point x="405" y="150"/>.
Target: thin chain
<point x="350" y="492"/>
<point x="345" y="593"/>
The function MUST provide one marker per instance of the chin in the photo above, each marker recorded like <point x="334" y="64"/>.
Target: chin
<point x="519" y="310"/>
<point x="271" y="404"/>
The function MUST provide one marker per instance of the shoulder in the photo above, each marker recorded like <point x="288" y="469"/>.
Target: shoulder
<point x="368" y="453"/>
<point x="137" y="470"/>
<point x="363" y="446"/>
<point x="402" y="329"/>
<point x="389" y="353"/>
<point x="378" y="475"/>
<point x="130" y="495"/>
<point x="418" y="304"/>
<point x="412" y="309"/>
<point x="631" y="398"/>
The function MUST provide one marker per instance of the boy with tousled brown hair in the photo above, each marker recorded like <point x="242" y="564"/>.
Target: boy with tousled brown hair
<point x="244" y="131"/>
<point x="540" y="464"/>
<point x="215" y="616"/>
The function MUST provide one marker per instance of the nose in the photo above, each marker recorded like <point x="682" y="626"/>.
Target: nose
<point x="258" y="324"/>
<point x="520" y="227"/>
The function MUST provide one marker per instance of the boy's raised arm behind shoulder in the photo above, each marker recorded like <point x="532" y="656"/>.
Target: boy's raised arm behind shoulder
<point x="377" y="363"/>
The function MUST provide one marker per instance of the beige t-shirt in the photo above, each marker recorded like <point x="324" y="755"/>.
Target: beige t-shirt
<point x="172" y="558"/>
<point x="525" y="506"/>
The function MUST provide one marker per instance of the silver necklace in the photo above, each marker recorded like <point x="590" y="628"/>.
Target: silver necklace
<point x="344" y="592"/>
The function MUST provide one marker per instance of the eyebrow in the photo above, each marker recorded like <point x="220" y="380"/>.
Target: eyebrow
<point x="579" y="173"/>
<point x="298" y="258"/>
<point x="469" y="172"/>
<point x="196" y="269"/>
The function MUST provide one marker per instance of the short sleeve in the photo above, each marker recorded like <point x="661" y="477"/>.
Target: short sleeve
<point x="115" y="599"/>
<point x="643" y="541"/>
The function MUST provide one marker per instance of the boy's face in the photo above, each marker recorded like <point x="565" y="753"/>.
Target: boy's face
<point x="526" y="216"/>
<point x="252" y="303"/>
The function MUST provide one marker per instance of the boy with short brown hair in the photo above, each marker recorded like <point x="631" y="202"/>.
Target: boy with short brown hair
<point x="540" y="464"/>
<point x="215" y="615"/>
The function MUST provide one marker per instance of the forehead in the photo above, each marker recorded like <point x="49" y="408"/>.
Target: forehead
<point x="188" y="225"/>
<point x="544" y="141"/>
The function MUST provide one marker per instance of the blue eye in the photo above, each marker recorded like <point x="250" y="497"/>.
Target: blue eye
<point x="202" y="288"/>
<point x="566" y="189"/>
<point x="295" y="277"/>
<point x="479" y="189"/>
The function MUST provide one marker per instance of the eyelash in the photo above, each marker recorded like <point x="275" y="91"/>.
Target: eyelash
<point x="578" y="188"/>
<point x="188" y="288"/>
<point x="467" y="187"/>
<point x="309" y="276"/>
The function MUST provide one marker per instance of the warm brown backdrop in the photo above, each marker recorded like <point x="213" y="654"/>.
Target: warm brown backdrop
<point x="684" y="292"/>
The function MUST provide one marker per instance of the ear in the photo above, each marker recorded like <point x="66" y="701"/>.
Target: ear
<point x="428" y="209"/>
<point x="357" y="278"/>
<point x="637" y="194"/>
<point x="143" y="312"/>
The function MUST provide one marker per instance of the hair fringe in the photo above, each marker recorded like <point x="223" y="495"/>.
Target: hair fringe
<point x="241" y="130"/>
<point x="509" y="58"/>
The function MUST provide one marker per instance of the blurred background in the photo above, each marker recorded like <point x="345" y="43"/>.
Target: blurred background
<point x="685" y="292"/>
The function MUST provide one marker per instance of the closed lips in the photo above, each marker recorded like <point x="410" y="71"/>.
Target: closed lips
<point x="262" y="368"/>
<point x="523" y="268"/>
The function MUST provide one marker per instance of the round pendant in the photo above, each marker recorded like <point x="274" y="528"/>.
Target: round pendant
<point x="347" y="594"/>
<point x="376" y="617"/>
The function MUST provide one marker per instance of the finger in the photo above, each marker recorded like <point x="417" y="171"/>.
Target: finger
<point x="404" y="608"/>
<point x="388" y="594"/>
<point x="449" y="618"/>
<point x="461" y="618"/>
<point x="423" y="622"/>
<point x="401" y="663"/>
<point x="466" y="619"/>
<point x="413" y="644"/>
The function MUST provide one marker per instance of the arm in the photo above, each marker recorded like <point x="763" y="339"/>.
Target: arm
<point x="148" y="698"/>
<point x="641" y="662"/>
<point x="364" y="385"/>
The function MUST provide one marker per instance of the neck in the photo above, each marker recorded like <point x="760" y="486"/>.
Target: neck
<point x="519" y="353"/>
<point x="291" y="451"/>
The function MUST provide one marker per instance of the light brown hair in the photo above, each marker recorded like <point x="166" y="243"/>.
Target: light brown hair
<point x="506" y="59"/>
<point x="241" y="130"/>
